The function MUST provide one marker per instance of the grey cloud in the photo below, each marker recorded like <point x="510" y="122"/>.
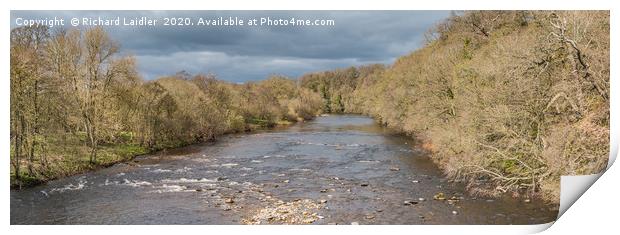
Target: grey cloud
<point x="243" y="53"/>
<point x="238" y="68"/>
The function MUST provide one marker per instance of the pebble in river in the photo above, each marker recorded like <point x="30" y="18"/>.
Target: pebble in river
<point x="408" y="203"/>
<point x="439" y="196"/>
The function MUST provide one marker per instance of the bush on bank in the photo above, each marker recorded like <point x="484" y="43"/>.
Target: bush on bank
<point x="507" y="101"/>
<point x="76" y="105"/>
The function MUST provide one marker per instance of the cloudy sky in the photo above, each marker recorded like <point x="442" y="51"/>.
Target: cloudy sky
<point x="242" y="53"/>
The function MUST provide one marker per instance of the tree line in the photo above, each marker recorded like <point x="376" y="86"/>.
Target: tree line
<point x="77" y="104"/>
<point x="506" y="101"/>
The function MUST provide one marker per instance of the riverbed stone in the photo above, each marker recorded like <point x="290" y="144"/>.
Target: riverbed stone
<point x="439" y="196"/>
<point x="410" y="202"/>
<point x="294" y="212"/>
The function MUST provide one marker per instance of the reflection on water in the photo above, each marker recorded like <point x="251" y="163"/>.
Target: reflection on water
<point x="341" y="169"/>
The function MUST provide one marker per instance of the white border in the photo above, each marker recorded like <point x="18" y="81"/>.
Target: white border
<point x="602" y="203"/>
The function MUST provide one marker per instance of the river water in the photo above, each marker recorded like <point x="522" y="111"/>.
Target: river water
<point x="333" y="170"/>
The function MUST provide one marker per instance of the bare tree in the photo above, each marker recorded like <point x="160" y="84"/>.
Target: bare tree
<point x="27" y="47"/>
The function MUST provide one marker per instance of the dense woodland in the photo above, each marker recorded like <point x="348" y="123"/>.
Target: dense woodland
<point x="506" y="101"/>
<point x="76" y="105"/>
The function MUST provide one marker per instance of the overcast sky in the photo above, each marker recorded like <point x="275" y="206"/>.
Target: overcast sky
<point x="243" y="53"/>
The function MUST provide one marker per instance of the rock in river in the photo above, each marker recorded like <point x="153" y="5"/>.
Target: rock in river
<point x="295" y="212"/>
<point x="439" y="196"/>
<point x="409" y="203"/>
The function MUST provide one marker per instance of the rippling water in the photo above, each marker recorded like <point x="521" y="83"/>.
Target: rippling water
<point x="355" y="170"/>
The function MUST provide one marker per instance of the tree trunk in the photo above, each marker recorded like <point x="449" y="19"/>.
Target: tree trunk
<point x="16" y="155"/>
<point x="90" y="131"/>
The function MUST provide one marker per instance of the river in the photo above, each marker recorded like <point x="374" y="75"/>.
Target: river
<point x="339" y="169"/>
